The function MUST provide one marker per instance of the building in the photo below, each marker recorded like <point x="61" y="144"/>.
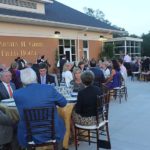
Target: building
<point x="29" y="28"/>
<point x="124" y="45"/>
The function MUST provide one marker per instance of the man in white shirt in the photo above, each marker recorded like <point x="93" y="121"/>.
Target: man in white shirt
<point x="127" y="61"/>
<point x="127" y="58"/>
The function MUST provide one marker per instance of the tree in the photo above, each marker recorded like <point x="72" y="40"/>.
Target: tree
<point x="146" y="44"/>
<point x="108" y="51"/>
<point x="99" y="15"/>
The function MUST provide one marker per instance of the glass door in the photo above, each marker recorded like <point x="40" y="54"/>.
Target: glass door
<point x="68" y="54"/>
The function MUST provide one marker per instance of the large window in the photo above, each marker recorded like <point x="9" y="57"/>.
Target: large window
<point x="67" y="47"/>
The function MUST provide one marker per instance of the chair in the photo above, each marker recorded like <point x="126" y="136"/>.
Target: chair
<point x="99" y="129"/>
<point x="39" y="122"/>
<point x="119" y="92"/>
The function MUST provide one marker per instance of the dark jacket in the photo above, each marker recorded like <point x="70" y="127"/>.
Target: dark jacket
<point x="49" y="79"/>
<point x="86" y="102"/>
<point x="3" y="91"/>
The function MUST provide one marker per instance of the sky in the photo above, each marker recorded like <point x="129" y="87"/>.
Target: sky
<point x="132" y="15"/>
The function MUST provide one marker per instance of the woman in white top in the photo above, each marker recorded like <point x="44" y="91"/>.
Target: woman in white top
<point x="66" y="74"/>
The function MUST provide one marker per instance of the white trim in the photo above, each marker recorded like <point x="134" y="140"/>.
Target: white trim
<point x="125" y="39"/>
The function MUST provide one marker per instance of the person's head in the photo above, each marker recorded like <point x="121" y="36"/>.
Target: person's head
<point x="5" y="76"/>
<point x="77" y="73"/>
<point x="42" y="69"/>
<point x="42" y="57"/>
<point x="81" y="65"/>
<point x="14" y="65"/>
<point x="93" y="63"/>
<point x="115" y="65"/>
<point x="67" y="66"/>
<point x="28" y="76"/>
<point x="87" y="77"/>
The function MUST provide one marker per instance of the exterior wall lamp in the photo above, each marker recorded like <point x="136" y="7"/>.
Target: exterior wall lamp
<point x="57" y="32"/>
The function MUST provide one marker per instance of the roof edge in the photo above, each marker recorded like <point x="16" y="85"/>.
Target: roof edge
<point x="25" y="20"/>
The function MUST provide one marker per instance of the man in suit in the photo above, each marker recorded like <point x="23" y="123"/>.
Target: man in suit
<point x="37" y="95"/>
<point x="43" y="77"/>
<point x="6" y="87"/>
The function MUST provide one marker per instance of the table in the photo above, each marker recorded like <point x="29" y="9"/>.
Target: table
<point x="64" y="112"/>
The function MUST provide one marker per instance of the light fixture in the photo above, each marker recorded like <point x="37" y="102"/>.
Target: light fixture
<point x="101" y="36"/>
<point x="57" y="32"/>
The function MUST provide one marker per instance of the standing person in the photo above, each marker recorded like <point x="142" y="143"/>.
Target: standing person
<point x="6" y="86"/>
<point x="84" y="112"/>
<point x="43" y="77"/>
<point x="61" y="65"/>
<point x="37" y="95"/>
<point x="127" y="63"/>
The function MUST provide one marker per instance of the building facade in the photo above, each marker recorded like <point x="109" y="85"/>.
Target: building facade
<point x="44" y="27"/>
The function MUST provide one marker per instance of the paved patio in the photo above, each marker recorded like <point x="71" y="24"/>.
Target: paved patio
<point x="129" y="122"/>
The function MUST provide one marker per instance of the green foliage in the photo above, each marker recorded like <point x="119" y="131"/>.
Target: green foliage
<point x="146" y="44"/>
<point x="108" y="51"/>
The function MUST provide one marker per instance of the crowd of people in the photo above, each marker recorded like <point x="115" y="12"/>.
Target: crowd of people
<point x="87" y="78"/>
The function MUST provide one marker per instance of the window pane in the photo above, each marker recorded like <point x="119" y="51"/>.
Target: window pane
<point x="73" y="49"/>
<point x="61" y="50"/>
<point x="67" y="43"/>
<point x="72" y="42"/>
<point x="73" y="57"/>
<point x="85" y="44"/>
<point x="60" y="42"/>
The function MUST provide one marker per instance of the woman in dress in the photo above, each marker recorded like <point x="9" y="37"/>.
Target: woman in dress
<point x="115" y="78"/>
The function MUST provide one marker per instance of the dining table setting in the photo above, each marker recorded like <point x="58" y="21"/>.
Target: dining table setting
<point x="9" y="107"/>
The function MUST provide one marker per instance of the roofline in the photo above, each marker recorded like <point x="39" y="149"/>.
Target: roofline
<point x="25" y="20"/>
<point x="43" y="1"/>
<point x="125" y="39"/>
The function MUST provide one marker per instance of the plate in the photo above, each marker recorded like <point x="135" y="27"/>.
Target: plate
<point x="74" y="94"/>
<point x="7" y="100"/>
<point x="12" y="104"/>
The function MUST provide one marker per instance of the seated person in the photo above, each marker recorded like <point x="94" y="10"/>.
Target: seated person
<point x="37" y="95"/>
<point x="84" y="112"/>
<point x="99" y="75"/>
<point x="76" y="82"/>
<point x="6" y="87"/>
<point x="66" y="74"/>
<point x="43" y="77"/>
<point x="115" y="79"/>
<point x="7" y="131"/>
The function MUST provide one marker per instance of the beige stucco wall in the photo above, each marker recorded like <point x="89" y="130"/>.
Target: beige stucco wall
<point x="28" y="41"/>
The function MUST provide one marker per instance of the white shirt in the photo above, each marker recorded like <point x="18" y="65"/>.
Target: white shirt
<point x="6" y="86"/>
<point x="127" y="58"/>
<point x="43" y="79"/>
<point x="67" y="75"/>
<point x="123" y="71"/>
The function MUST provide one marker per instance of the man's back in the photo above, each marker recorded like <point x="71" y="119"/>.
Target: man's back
<point x="37" y="95"/>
